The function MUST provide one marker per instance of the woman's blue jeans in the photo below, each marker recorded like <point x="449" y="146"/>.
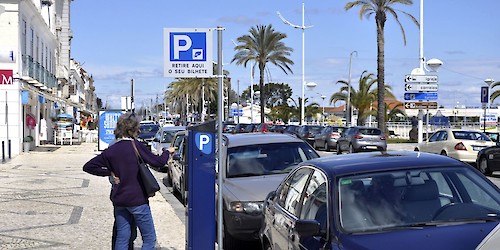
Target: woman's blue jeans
<point x="144" y="220"/>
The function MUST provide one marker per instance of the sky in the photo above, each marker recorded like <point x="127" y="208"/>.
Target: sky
<point x="120" y="40"/>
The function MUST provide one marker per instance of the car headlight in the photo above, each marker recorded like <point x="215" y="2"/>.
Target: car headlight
<point x="249" y="207"/>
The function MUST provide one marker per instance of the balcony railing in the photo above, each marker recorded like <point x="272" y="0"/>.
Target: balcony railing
<point x="36" y="71"/>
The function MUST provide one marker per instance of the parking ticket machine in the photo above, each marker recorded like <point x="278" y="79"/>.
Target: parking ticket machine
<point x="201" y="221"/>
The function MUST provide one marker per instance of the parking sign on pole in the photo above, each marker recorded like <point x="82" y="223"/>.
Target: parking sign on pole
<point x="188" y="52"/>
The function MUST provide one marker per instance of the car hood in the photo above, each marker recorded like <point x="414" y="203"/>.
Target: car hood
<point x="465" y="236"/>
<point x="254" y="188"/>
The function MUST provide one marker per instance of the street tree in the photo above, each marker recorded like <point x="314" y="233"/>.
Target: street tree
<point x="381" y="8"/>
<point x="262" y="46"/>
<point x="275" y="94"/>
<point x="362" y="98"/>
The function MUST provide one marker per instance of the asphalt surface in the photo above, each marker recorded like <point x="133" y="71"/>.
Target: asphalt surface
<point x="48" y="202"/>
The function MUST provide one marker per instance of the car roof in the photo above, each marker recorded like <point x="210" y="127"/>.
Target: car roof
<point x="235" y="140"/>
<point x="167" y="128"/>
<point x="380" y="161"/>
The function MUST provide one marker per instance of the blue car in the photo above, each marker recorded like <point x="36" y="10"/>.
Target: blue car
<point x="381" y="200"/>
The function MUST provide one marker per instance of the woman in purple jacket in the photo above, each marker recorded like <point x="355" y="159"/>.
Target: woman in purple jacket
<point x="129" y="199"/>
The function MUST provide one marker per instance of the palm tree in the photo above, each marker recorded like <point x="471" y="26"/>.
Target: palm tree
<point x="496" y="93"/>
<point x="263" y="45"/>
<point x="362" y="98"/>
<point x="380" y="8"/>
<point x="394" y="113"/>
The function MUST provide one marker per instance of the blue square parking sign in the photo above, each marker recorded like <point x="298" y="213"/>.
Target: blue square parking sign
<point x="188" y="46"/>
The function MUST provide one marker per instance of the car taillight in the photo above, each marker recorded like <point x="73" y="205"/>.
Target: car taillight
<point x="382" y="138"/>
<point x="335" y="135"/>
<point x="358" y="137"/>
<point x="460" y="146"/>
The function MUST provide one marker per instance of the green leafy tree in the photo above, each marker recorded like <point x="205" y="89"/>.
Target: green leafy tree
<point x="263" y="45"/>
<point x="310" y="110"/>
<point x="275" y="94"/>
<point x="362" y="98"/>
<point x="495" y="93"/>
<point x="381" y="8"/>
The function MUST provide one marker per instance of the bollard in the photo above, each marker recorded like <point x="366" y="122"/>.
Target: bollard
<point x="9" y="149"/>
<point x="3" y="151"/>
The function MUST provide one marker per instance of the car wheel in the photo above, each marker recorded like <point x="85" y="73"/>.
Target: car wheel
<point x="416" y="149"/>
<point x="315" y="145"/>
<point x="326" y="147"/>
<point x="483" y="166"/>
<point x="444" y="153"/>
<point x="351" y="149"/>
<point x="339" y="151"/>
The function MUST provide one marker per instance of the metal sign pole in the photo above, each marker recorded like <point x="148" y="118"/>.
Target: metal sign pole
<point x="220" y="114"/>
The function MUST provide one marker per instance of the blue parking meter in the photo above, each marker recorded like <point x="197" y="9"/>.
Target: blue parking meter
<point x="201" y="221"/>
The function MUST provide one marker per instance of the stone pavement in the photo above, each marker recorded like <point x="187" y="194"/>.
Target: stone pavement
<point x="48" y="202"/>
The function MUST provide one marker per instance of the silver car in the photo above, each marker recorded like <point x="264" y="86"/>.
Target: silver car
<point x="164" y="137"/>
<point x="255" y="164"/>
<point x="357" y="139"/>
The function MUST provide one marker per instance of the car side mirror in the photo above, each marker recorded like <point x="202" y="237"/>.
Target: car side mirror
<point x="307" y="228"/>
<point x="156" y="140"/>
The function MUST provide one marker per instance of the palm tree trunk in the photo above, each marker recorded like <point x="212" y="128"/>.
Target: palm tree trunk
<point x="261" y="86"/>
<point x="380" y="72"/>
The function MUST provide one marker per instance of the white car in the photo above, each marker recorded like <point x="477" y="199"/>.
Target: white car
<point x="460" y="144"/>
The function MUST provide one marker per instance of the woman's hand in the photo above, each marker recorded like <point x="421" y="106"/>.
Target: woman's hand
<point x="116" y="179"/>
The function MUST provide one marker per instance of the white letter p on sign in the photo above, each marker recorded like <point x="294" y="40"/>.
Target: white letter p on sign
<point x="204" y="140"/>
<point x="177" y="45"/>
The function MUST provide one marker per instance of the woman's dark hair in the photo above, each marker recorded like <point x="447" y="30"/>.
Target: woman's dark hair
<point x="127" y="126"/>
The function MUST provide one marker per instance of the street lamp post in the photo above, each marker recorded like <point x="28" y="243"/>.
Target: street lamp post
<point x="323" y="104"/>
<point x="303" y="27"/>
<point x="488" y="82"/>
<point x="348" y="107"/>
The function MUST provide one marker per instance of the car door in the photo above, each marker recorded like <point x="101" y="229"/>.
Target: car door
<point x="342" y="141"/>
<point x="285" y="207"/>
<point x="314" y="206"/>
<point x="428" y="145"/>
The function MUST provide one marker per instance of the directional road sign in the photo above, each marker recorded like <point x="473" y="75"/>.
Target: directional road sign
<point x="421" y="78"/>
<point x="421" y="96"/>
<point x="188" y="53"/>
<point x="429" y="87"/>
<point x="420" y="105"/>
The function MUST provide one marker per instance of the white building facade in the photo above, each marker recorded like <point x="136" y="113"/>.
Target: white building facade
<point x="37" y="78"/>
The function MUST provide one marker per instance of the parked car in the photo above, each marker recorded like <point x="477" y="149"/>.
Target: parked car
<point x="278" y="128"/>
<point x="177" y="166"/>
<point x="229" y="127"/>
<point x="243" y="128"/>
<point x="327" y="138"/>
<point x="308" y="132"/>
<point x="263" y="127"/>
<point x="488" y="159"/>
<point x="163" y="138"/>
<point x="357" y="139"/>
<point x="292" y="129"/>
<point x="255" y="165"/>
<point x="147" y="133"/>
<point x="456" y="143"/>
<point x="381" y="200"/>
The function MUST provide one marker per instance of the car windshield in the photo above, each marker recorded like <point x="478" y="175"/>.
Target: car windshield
<point x="470" y="135"/>
<point x="265" y="159"/>
<point x="415" y="198"/>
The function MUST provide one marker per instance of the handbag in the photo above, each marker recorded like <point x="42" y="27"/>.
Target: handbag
<point x="149" y="182"/>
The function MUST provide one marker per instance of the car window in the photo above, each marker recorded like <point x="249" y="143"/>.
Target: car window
<point x="289" y="197"/>
<point x="315" y="200"/>
<point x="178" y="141"/>
<point x="370" y="131"/>
<point x="434" y="136"/>
<point x="168" y="135"/>
<point x="395" y="199"/>
<point x="470" y="135"/>
<point x="266" y="159"/>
